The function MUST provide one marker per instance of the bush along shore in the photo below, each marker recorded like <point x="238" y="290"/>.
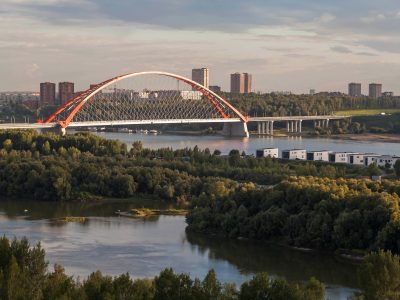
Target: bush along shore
<point x="25" y="275"/>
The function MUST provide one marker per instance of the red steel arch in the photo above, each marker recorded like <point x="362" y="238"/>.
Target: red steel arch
<point x="76" y="103"/>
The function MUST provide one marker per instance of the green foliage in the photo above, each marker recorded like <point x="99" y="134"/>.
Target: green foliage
<point x="49" y="167"/>
<point x="397" y="168"/>
<point x="373" y="170"/>
<point x="380" y="276"/>
<point x="24" y="275"/>
<point x="322" y="103"/>
<point x="306" y="212"/>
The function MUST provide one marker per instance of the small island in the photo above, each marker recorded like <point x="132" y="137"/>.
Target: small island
<point x="148" y="212"/>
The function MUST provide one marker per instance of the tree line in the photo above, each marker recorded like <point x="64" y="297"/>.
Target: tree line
<point x="275" y="104"/>
<point x="25" y="274"/>
<point x="80" y="166"/>
<point x="321" y="213"/>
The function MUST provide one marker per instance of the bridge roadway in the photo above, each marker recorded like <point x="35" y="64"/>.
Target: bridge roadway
<point x="265" y="125"/>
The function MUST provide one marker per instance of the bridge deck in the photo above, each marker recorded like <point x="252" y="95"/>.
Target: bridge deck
<point x="297" y="118"/>
<point x="170" y="121"/>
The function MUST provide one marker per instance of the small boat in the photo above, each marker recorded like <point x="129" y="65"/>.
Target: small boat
<point x="153" y="131"/>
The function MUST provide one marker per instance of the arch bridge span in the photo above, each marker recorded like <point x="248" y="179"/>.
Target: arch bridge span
<point x="152" y="97"/>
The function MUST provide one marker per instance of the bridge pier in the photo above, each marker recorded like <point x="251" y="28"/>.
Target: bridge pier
<point x="57" y="130"/>
<point x="238" y="129"/>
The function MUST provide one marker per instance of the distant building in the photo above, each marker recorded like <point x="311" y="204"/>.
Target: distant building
<point x="248" y="82"/>
<point x="355" y="89"/>
<point x="47" y="93"/>
<point x="340" y="157"/>
<point x="65" y="92"/>
<point x="215" y="88"/>
<point x="375" y="90"/>
<point x="388" y="94"/>
<point x="359" y="158"/>
<point x="272" y="152"/>
<point x="237" y="83"/>
<point x="387" y="160"/>
<point x="201" y="76"/>
<point x="294" y="154"/>
<point x="318" y="155"/>
<point x="241" y="83"/>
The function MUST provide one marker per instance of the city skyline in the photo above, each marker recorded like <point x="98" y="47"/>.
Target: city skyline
<point x="286" y="45"/>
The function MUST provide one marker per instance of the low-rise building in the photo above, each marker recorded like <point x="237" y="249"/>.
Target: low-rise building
<point x="272" y="152"/>
<point x="359" y="158"/>
<point x="322" y="155"/>
<point x="370" y="159"/>
<point x="340" y="157"/>
<point x="387" y="160"/>
<point x="294" y="154"/>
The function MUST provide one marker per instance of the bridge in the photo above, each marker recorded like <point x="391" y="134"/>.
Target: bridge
<point x="155" y="97"/>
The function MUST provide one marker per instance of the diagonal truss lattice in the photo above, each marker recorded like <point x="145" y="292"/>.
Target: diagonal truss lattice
<point x="145" y="96"/>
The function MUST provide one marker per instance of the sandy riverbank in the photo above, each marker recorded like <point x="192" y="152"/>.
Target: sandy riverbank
<point x="370" y="137"/>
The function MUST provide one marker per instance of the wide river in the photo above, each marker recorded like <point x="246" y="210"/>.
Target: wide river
<point x="250" y="145"/>
<point x="143" y="248"/>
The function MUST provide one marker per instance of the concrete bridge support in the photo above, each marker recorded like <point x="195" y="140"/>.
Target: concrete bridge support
<point x="265" y="128"/>
<point x="57" y="130"/>
<point x="294" y="126"/>
<point x="238" y="129"/>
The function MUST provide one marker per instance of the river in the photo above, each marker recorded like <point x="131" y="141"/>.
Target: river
<point x="143" y="247"/>
<point x="250" y="145"/>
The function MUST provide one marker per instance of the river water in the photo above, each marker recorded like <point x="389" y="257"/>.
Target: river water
<point x="143" y="247"/>
<point x="250" y="145"/>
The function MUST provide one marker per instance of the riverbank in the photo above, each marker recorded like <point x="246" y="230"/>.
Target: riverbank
<point x="369" y="137"/>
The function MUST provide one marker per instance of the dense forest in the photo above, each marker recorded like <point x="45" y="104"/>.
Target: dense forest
<point x="306" y="212"/>
<point x="275" y="104"/>
<point x="24" y="274"/>
<point x="80" y="166"/>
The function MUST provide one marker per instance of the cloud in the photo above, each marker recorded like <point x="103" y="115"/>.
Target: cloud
<point x="392" y="46"/>
<point x="341" y="49"/>
<point x="89" y="40"/>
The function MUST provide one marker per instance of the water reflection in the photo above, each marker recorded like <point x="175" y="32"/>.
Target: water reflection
<point x="250" y="145"/>
<point x="143" y="247"/>
<point x="251" y="257"/>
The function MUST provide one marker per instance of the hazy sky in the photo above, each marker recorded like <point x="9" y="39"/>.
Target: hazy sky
<point x="287" y="44"/>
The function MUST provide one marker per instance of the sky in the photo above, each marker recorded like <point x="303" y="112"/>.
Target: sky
<point x="288" y="45"/>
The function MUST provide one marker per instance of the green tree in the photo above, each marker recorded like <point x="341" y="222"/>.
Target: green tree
<point x="8" y="144"/>
<point x="379" y="276"/>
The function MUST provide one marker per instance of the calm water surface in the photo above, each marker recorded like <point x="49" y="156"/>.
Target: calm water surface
<point x="250" y="145"/>
<point x="141" y="247"/>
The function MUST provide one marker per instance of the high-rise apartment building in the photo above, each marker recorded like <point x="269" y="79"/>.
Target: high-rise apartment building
<point x="237" y="83"/>
<point x="65" y="92"/>
<point x="47" y="93"/>
<point x="241" y="83"/>
<point x="201" y="76"/>
<point x="375" y="90"/>
<point x="354" y="89"/>
<point x="248" y="81"/>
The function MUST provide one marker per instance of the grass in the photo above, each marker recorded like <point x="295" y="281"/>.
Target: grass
<point x="146" y="212"/>
<point x="73" y="220"/>
<point x="367" y="112"/>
